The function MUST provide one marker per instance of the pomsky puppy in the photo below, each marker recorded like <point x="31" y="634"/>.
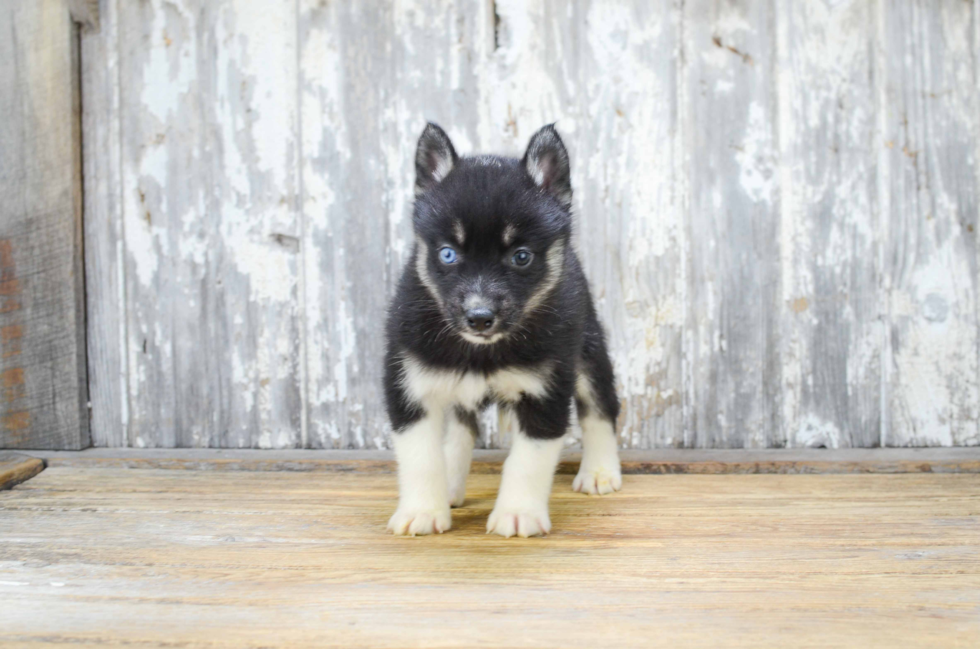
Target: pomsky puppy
<point x="494" y="307"/>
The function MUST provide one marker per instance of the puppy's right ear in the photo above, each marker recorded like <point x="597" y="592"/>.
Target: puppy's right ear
<point x="434" y="158"/>
<point x="546" y="162"/>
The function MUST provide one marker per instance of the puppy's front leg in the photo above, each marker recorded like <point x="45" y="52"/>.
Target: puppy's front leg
<point x="525" y="487"/>
<point x="599" y="472"/>
<point x="423" y="503"/>
<point x="462" y="431"/>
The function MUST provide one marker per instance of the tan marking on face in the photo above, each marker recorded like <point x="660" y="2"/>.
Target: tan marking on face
<point x="459" y="232"/>
<point x="555" y="260"/>
<point x="510" y="233"/>
<point x="423" y="270"/>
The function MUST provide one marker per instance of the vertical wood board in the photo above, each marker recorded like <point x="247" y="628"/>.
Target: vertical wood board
<point x="930" y="125"/>
<point x="372" y="75"/>
<point x="42" y="314"/>
<point x="830" y="334"/>
<point x="209" y="203"/>
<point x="105" y="296"/>
<point x="729" y="110"/>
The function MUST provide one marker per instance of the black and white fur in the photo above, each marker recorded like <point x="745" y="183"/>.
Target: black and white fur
<point x="493" y="307"/>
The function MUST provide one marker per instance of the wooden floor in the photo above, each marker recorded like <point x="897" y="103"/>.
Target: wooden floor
<point x="148" y="557"/>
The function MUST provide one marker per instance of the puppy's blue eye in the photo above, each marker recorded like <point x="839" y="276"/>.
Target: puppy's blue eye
<point x="522" y="258"/>
<point x="447" y="255"/>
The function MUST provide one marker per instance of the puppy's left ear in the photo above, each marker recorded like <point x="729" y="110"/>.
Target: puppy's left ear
<point x="546" y="161"/>
<point x="435" y="157"/>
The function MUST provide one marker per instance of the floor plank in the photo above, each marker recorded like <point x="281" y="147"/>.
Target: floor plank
<point x="655" y="461"/>
<point x="108" y="556"/>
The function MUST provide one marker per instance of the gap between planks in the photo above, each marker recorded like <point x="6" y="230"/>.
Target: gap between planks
<point x="663" y="461"/>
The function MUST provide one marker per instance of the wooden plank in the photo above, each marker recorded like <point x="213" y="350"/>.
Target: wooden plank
<point x="664" y="461"/>
<point x="210" y="177"/>
<point x="727" y="108"/>
<point x="17" y="467"/>
<point x="372" y="74"/>
<point x="830" y="332"/>
<point x="256" y="207"/>
<point x="930" y="198"/>
<point x="620" y="126"/>
<point x="153" y="206"/>
<point x="105" y="262"/>
<point x="221" y="559"/>
<point x="42" y="312"/>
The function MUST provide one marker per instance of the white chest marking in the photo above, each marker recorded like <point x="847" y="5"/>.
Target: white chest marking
<point x="435" y="388"/>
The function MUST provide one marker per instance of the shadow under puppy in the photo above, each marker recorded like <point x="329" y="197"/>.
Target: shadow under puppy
<point x="494" y="307"/>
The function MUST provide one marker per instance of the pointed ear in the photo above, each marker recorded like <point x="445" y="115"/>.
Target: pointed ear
<point x="546" y="162"/>
<point x="434" y="158"/>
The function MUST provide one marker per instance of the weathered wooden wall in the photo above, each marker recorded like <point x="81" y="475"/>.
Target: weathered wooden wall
<point x="43" y="402"/>
<point x="776" y="205"/>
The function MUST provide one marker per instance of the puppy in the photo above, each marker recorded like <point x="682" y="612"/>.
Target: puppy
<point x="493" y="307"/>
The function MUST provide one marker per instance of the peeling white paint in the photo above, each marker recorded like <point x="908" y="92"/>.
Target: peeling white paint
<point x="754" y="156"/>
<point x="814" y="432"/>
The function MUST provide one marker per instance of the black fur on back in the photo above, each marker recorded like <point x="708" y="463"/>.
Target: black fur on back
<point x="485" y="195"/>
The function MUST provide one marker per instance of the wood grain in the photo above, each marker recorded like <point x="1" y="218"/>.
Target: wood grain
<point x="42" y="312"/>
<point x="830" y="335"/>
<point x="372" y="75"/>
<point x="728" y="111"/>
<point x="930" y="196"/>
<point x="105" y="263"/>
<point x="209" y="203"/>
<point x="608" y="78"/>
<point x="285" y="559"/>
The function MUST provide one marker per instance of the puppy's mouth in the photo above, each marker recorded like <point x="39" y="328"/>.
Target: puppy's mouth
<point x="481" y="338"/>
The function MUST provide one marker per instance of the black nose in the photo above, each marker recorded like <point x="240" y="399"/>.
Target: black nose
<point x="479" y="319"/>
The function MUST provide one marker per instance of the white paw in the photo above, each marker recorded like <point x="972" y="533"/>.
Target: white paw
<point x="416" y="521"/>
<point x="598" y="481"/>
<point x="529" y="522"/>
<point x="457" y="495"/>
